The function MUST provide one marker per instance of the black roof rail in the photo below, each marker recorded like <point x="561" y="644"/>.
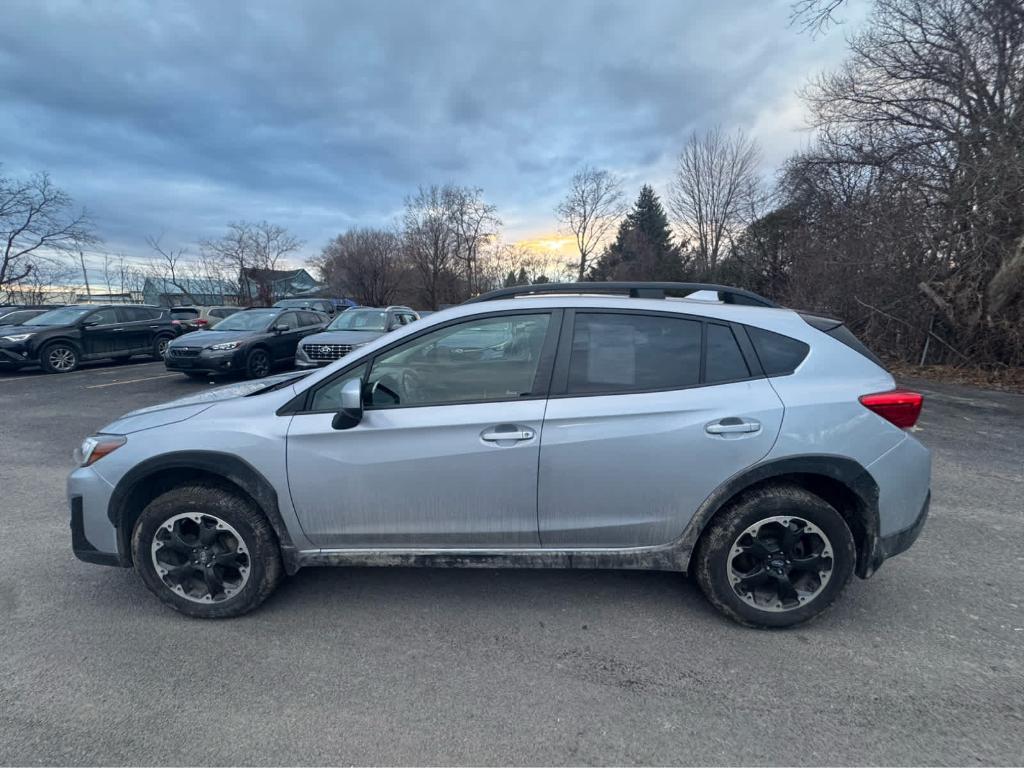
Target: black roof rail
<point x="636" y="290"/>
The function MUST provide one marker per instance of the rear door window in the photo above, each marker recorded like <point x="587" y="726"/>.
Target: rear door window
<point x="724" y="361"/>
<point x="617" y="353"/>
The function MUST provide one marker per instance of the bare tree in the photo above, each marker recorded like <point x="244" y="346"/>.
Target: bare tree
<point x="171" y="267"/>
<point x="715" y="182"/>
<point x="815" y="16"/>
<point x="250" y="250"/>
<point x="37" y="222"/>
<point x="930" y="100"/>
<point x="366" y="264"/>
<point x="474" y="223"/>
<point x="47" y="277"/>
<point x="591" y="210"/>
<point x="429" y="241"/>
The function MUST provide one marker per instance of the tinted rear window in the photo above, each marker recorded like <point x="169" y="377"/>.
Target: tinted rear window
<point x="184" y="314"/>
<point x="614" y="353"/>
<point x="724" y="359"/>
<point x="778" y="354"/>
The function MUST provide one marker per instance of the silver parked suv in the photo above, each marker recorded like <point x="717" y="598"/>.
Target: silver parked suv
<point x="350" y="330"/>
<point x="763" y="451"/>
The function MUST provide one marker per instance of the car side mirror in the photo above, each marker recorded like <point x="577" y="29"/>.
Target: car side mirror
<point x="282" y="327"/>
<point x="351" y="412"/>
<point x="92" y="321"/>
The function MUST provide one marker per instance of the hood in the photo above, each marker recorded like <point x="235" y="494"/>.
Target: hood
<point x="209" y="338"/>
<point x="186" y="407"/>
<point x="11" y="330"/>
<point x="342" y="337"/>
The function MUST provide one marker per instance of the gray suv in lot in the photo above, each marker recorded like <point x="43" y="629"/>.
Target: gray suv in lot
<point x="763" y="451"/>
<point x="350" y="330"/>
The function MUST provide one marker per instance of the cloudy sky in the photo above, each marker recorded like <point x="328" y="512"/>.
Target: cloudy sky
<point x="177" y="117"/>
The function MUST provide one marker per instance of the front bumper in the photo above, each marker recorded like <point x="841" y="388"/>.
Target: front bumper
<point x="93" y="537"/>
<point x="210" y="361"/>
<point x="14" y="354"/>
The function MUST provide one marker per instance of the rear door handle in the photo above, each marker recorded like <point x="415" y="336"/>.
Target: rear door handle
<point x="496" y="436"/>
<point x="732" y="425"/>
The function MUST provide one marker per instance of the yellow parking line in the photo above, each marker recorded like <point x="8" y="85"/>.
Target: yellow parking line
<point x="130" y="381"/>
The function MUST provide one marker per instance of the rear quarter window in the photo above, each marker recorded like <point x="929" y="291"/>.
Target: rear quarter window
<point x="779" y="355"/>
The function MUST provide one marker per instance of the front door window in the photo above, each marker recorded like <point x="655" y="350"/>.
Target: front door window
<point x="481" y="360"/>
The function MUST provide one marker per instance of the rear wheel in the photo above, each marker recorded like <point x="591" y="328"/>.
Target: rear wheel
<point x="257" y="365"/>
<point x="776" y="557"/>
<point x="59" y="357"/>
<point x="206" y="552"/>
<point x="160" y="347"/>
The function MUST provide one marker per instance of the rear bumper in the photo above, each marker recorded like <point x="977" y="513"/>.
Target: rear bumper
<point x="901" y="541"/>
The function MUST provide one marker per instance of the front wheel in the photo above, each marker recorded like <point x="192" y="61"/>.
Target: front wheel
<point x="257" y="365"/>
<point x="776" y="557"/>
<point x="206" y="552"/>
<point x="59" y="357"/>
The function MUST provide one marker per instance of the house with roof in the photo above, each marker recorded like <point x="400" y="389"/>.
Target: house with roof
<point x="164" y="292"/>
<point x="265" y="286"/>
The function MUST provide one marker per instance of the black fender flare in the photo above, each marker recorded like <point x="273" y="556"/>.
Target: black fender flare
<point x="848" y="472"/>
<point x="231" y="468"/>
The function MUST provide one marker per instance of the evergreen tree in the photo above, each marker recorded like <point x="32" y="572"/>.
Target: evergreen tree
<point x="643" y="248"/>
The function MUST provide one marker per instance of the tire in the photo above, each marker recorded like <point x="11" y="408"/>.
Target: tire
<point x="258" y="364"/>
<point x="160" y="347"/>
<point x="59" y="357"/>
<point x="767" y="538"/>
<point x="211" y="530"/>
<point x="197" y="375"/>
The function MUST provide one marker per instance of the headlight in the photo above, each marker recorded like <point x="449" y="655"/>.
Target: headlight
<point x="17" y="337"/>
<point x="227" y="345"/>
<point x="96" y="447"/>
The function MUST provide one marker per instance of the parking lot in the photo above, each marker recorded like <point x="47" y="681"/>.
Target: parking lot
<point x="924" y="663"/>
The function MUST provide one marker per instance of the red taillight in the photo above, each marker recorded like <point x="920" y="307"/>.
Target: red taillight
<point x="200" y="321"/>
<point x="900" y="406"/>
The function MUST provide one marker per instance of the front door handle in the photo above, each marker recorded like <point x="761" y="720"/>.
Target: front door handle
<point x="732" y="425"/>
<point x="515" y="434"/>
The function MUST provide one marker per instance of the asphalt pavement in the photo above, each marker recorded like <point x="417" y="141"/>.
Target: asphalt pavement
<point x="922" y="664"/>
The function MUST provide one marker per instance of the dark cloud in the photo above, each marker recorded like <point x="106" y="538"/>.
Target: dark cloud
<point x="317" y="115"/>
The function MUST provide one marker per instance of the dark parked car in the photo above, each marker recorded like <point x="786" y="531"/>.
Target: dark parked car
<point x="59" y="340"/>
<point x="325" y="306"/>
<point x="251" y="342"/>
<point x="18" y="315"/>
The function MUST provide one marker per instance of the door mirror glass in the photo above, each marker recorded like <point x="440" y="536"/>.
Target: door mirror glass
<point x="351" y="412"/>
<point x="282" y="327"/>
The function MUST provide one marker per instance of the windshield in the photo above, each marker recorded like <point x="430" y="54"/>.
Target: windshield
<point x="359" y="320"/>
<point x="62" y="316"/>
<point x="252" y="320"/>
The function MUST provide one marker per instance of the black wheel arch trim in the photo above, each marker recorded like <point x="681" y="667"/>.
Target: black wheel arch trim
<point x="848" y="472"/>
<point x="231" y="468"/>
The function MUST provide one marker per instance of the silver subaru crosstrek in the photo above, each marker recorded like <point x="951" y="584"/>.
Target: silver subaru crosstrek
<point x="601" y="425"/>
